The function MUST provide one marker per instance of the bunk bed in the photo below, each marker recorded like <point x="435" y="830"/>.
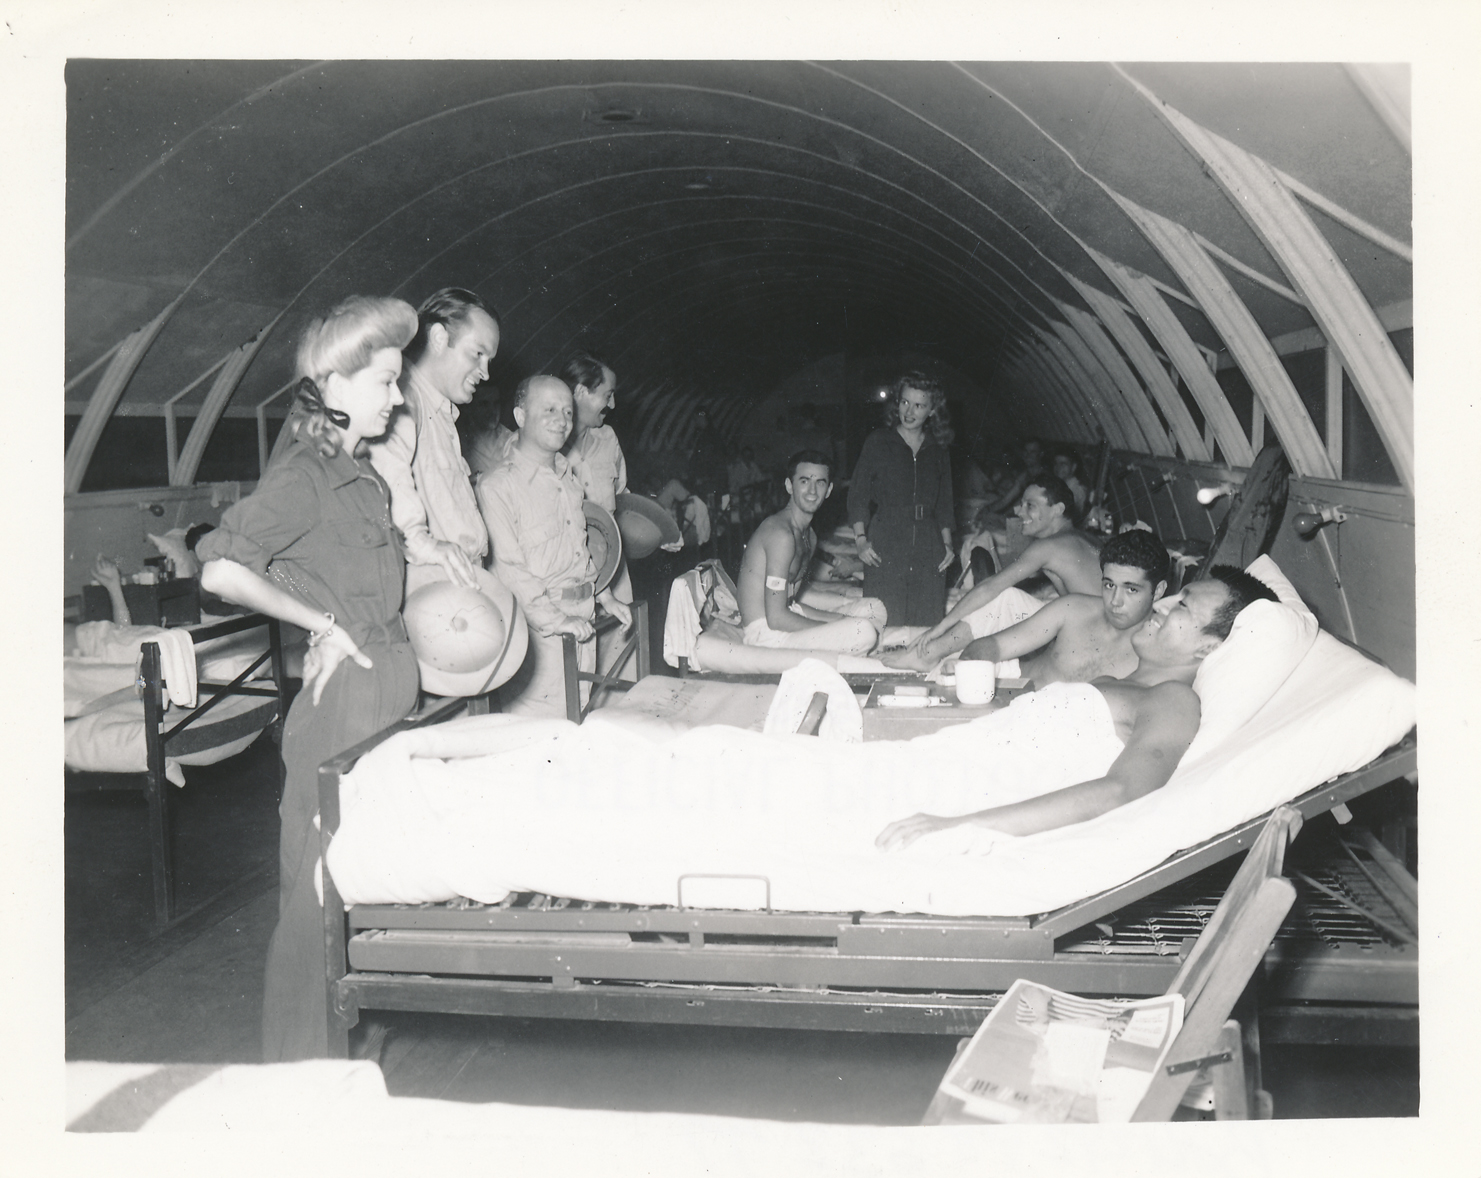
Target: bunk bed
<point x="228" y="715"/>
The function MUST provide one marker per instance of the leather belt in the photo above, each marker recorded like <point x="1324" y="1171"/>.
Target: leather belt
<point x="579" y="592"/>
<point x="386" y="633"/>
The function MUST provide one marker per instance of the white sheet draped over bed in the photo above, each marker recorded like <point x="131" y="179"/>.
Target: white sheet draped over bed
<point x="600" y="813"/>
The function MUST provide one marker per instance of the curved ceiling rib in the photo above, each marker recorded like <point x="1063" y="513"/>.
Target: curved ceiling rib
<point x="105" y="398"/>
<point x="1047" y="230"/>
<point x="1152" y="373"/>
<point x="1257" y="359"/>
<point x="1339" y="308"/>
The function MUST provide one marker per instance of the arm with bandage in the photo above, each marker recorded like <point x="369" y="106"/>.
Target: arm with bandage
<point x="766" y="585"/>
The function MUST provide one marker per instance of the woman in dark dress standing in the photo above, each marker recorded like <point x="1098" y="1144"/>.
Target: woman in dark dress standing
<point x="314" y="546"/>
<point x="899" y="501"/>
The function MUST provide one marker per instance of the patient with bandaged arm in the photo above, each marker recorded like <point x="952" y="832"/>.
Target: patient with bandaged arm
<point x="775" y="564"/>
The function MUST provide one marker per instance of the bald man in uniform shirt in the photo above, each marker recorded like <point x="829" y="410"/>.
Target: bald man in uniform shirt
<point x="532" y="507"/>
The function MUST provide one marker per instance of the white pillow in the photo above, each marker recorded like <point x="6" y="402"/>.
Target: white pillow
<point x="1267" y="642"/>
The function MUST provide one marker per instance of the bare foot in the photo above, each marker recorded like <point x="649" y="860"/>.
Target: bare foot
<point x="909" y="659"/>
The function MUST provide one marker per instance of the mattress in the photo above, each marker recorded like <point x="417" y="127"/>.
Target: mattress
<point x="485" y="806"/>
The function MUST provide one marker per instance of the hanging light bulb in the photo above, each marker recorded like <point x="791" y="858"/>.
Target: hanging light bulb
<point x="1207" y="495"/>
<point x="1308" y="523"/>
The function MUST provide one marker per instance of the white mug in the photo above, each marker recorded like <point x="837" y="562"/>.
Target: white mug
<point x="976" y="681"/>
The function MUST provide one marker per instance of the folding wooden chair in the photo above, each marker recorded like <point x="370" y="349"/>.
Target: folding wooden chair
<point x="1213" y="977"/>
<point x="634" y="650"/>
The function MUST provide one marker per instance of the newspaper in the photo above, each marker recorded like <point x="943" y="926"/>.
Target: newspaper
<point x="1045" y="1056"/>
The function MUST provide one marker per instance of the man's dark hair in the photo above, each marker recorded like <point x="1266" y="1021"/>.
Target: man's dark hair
<point x="813" y="458"/>
<point x="195" y="532"/>
<point x="1138" y="549"/>
<point x="582" y="368"/>
<point x="449" y="307"/>
<point x="1054" y="490"/>
<point x="1244" y="589"/>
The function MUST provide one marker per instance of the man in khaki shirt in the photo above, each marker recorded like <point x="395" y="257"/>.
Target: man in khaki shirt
<point x="419" y="456"/>
<point x="532" y="506"/>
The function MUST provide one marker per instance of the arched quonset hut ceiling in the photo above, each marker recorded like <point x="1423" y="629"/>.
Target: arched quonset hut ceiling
<point x="1071" y="237"/>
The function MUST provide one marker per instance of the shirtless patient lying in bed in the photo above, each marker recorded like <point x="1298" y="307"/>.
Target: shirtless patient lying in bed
<point x="1154" y="710"/>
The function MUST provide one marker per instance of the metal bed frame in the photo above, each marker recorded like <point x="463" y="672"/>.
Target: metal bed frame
<point x="187" y="736"/>
<point x="545" y="957"/>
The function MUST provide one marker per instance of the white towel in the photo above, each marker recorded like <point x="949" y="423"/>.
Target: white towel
<point x="107" y="640"/>
<point x="681" y="626"/>
<point x="177" y="663"/>
<point x="843" y="721"/>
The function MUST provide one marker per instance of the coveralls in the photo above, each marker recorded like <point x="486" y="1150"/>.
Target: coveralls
<point x="321" y="529"/>
<point x="904" y="500"/>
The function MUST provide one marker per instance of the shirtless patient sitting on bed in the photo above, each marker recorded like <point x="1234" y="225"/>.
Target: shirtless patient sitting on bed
<point x="1068" y="558"/>
<point x="778" y="557"/>
<point x="1077" y="638"/>
<point x="1154" y="710"/>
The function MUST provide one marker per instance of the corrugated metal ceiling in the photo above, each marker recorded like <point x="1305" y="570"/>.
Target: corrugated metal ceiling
<point x="712" y="225"/>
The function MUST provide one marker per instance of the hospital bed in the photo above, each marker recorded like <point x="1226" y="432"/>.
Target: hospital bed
<point x="232" y="708"/>
<point x="682" y="959"/>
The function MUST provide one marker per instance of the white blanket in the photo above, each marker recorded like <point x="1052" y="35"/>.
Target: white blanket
<point x="597" y="813"/>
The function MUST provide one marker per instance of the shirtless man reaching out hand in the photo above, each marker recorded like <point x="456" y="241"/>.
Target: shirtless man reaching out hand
<point x="1154" y="710"/>
<point x="1077" y="638"/>
<point x="777" y="559"/>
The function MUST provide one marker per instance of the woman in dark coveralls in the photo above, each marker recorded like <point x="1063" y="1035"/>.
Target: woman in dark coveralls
<point x="899" y="501"/>
<point x="315" y="547"/>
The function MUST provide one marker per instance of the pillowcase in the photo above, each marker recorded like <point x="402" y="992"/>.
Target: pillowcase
<point x="1267" y="642"/>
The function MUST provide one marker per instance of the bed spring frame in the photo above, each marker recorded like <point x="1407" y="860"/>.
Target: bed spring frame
<point x="545" y="957"/>
<point x="196" y="731"/>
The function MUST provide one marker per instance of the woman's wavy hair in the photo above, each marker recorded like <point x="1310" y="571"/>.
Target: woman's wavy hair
<point x="343" y="341"/>
<point x="939" y="423"/>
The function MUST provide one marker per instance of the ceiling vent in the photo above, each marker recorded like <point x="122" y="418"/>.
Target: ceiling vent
<point x="615" y="115"/>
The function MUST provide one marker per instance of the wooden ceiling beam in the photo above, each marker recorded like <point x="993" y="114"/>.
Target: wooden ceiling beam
<point x="1088" y="375"/>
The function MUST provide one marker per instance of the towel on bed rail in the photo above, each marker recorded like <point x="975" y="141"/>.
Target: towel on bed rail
<point x="103" y="646"/>
<point x="107" y="735"/>
<point x="599" y="813"/>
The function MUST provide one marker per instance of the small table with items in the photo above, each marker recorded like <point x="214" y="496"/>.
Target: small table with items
<point x="902" y="711"/>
